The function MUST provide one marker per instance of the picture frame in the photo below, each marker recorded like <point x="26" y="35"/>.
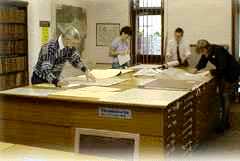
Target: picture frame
<point x="106" y="33"/>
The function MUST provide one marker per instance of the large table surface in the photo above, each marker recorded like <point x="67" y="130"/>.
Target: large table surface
<point x="137" y="96"/>
<point x="15" y="152"/>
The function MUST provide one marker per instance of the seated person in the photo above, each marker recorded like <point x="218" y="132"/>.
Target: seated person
<point x="178" y="51"/>
<point x="55" y="54"/>
<point x="120" y="46"/>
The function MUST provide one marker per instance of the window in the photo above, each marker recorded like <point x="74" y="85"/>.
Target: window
<point x="147" y="20"/>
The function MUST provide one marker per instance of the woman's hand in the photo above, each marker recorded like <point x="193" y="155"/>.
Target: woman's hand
<point x="62" y="83"/>
<point x="90" y="76"/>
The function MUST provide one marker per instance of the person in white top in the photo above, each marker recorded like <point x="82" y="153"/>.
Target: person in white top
<point x="178" y="51"/>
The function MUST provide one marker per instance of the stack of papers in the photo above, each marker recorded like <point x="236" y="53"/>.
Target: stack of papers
<point x="180" y="74"/>
<point x="81" y="81"/>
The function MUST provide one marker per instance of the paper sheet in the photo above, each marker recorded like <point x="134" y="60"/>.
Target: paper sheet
<point x="104" y="73"/>
<point x="148" y="72"/>
<point x="146" y="97"/>
<point x="123" y="59"/>
<point x="180" y="74"/>
<point x="44" y="85"/>
<point x="101" y="82"/>
<point x="145" y="66"/>
<point x="124" y="71"/>
<point x="172" y="84"/>
<point x="142" y="82"/>
<point x="99" y="89"/>
<point x="84" y="94"/>
<point x="25" y="91"/>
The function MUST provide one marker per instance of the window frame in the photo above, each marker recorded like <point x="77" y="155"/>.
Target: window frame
<point x="145" y="11"/>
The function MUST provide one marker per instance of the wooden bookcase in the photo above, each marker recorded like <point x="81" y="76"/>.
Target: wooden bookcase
<point x="13" y="45"/>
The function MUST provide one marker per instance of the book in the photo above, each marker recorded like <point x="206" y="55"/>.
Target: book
<point x="13" y="47"/>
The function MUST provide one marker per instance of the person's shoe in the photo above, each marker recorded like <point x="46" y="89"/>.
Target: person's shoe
<point x="227" y="125"/>
<point x="219" y="130"/>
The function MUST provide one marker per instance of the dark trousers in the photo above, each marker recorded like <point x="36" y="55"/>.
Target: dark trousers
<point x="224" y="90"/>
<point x="37" y="80"/>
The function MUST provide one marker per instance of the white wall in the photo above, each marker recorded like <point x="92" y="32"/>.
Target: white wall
<point x="110" y="11"/>
<point x="205" y="19"/>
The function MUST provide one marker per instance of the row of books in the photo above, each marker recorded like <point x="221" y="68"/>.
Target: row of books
<point x="16" y="64"/>
<point x="12" y="31"/>
<point x="12" y="47"/>
<point x="13" y="80"/>
<point x="12" y="15"/>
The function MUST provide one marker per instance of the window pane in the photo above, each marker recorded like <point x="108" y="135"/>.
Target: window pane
<point x="149" y="3"/>
<point x="149" y="35"/>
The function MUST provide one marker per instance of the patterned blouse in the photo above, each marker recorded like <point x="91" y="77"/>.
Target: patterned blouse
<point x="52" y="59"/>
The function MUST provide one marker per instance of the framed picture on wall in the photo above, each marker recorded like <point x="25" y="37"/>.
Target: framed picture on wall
<point x="106" y="32"/>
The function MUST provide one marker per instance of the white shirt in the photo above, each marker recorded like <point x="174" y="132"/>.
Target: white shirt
<point x="171" y="55"/>
<point x="60" y="42"/>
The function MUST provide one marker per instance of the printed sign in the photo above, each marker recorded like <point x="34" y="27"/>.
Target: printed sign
<point x="115" y="113"/>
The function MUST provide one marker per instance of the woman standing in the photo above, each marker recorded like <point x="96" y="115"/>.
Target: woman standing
<point x="120" y="50"/>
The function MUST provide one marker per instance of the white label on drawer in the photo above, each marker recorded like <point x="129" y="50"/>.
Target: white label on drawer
<point x="115" y="113"/>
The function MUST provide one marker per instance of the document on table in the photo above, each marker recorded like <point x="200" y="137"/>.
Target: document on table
<point x="145" y="66"/>
<point x="180" y="74"/>
<point x="172" y="84"/>
<point x="25" y="91"/>
<point x="142" y="82"/>
<point x="125" y="71"/>
<point x="145" y="97"/>
<point x="101" y="82"/>
<point x="44" y="85"/>
<point x="148" y="72"/>
<point x="78" y="93"/>
<point x="123" y="59"/>
<point x="99" y="89"/>
<point x="104" y="73"/>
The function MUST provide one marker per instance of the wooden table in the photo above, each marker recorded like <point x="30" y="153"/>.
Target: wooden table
<point x="37" y="118"/>
<point x="14" y="152"/>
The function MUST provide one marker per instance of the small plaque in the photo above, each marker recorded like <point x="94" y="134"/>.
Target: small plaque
<point x="115" y="113"/>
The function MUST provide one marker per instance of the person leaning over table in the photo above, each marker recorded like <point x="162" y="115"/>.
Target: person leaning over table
<point x="120" y="46"/>
<point x="55" y="54"/>
<point x="227" y="73"/>
<point x="178" y="51"/>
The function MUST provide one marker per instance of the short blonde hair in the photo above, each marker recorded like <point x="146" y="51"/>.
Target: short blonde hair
<point x="201" y="44"/>
<point x="71" y="32"/>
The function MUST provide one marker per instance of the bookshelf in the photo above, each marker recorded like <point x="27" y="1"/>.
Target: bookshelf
<point x="13" y="45"/>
